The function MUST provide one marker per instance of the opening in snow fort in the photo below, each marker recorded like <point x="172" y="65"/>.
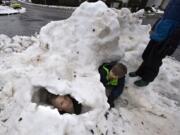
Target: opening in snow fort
<point x="63" y="103"/>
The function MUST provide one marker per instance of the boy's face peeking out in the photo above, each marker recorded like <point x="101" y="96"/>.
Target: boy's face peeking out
<point x="112" y="75"/>
<point x="63" y="103"/>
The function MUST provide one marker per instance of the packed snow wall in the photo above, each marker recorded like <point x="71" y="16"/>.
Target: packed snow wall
<point x="64" y="58"/>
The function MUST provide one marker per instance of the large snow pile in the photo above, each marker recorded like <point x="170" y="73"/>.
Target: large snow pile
<point x="65" y="57"/>
<point x="6" y="10"/>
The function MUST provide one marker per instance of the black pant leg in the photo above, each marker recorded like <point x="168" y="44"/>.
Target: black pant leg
<point x="148" y="49"/>
<point x="143" y="4"/>
<point x="108" y="3"/>
<point x="153" y="61"/>
<point x="149" y="68"/>
<point x="145" y="57"/>
<point x="154" y="53"/>
<point x="140" y="71"/>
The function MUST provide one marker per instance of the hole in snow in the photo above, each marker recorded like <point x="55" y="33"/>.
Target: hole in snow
<point x="63" y="103"/>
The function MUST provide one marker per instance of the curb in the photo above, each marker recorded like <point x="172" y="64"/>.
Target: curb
<point x="8" y="14"/>
<point x="49" y="6"/>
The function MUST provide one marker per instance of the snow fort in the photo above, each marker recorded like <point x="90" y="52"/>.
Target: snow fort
<point x="64" y="59"/>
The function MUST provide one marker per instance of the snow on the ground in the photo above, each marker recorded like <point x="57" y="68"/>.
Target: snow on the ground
<point x="8" y="10"/>
<point x="65" y="57"/>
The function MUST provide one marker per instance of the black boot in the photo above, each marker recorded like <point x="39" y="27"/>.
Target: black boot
<point x="133" y="74"/>
<point x="141" y="83"/>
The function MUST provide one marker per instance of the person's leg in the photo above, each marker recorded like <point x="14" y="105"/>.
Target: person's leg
<point x="151" y="63"/>
<point x="139" y="72"/>
<point x="148" y="6"/>
<point x="153" y="55"/>
<point x="120" y="5"/>
<point x="145" y="56"/>
<point x="143" y="4"/>
<point x="153" y="59"/>
<point x="133" y="5"/>
<point x="108" y="3"/>
<point x="151" y="68"/>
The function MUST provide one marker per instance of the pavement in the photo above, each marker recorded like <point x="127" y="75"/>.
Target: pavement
<point x="30" y="22"/>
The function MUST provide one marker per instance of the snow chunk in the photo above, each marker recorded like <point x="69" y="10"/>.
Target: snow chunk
<point x="5" y="10"/>
<point x="64" y="58"/>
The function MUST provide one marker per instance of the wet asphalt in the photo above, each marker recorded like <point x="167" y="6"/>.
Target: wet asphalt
<point x="31" y="21"/>
<point x="35" y="17"/>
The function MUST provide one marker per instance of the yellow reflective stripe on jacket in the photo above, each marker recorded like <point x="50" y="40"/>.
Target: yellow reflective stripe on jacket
<point x="113" y="82"/>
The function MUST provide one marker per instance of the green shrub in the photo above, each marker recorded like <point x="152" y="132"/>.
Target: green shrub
<point x="16" y="5"/>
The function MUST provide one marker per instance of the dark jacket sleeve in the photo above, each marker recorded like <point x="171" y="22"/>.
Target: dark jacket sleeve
<point x="117" y="91"/>
<point x="103" y="73"/>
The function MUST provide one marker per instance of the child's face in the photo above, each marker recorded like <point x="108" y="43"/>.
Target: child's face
<point x="112" y="75"/>
<point x="63" y="103"/>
